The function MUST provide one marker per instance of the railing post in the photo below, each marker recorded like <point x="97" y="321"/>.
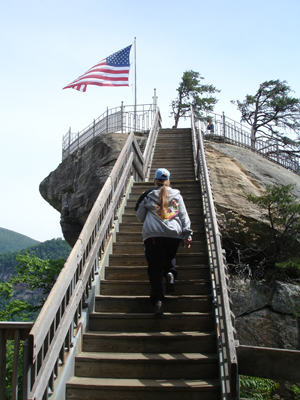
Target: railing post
<point x="122" y="117"/>
<point x="14" y="388"/>
<point x="252" y="139"/>
<point x="69" y="147"/>
<point x="25" y="369"/>
<point x="94" y="128"/>
<point x="107" y="120"/>
<point x="2" y="365"/>
<point x="224" y="129"/>
<point x="154" y="101"/>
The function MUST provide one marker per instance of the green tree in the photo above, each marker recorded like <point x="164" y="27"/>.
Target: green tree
<point x="271" y="112"/>
<point x="39" y="275"/>
<point x="283" y="212"/>
<point x="192" y="92"/>
<point x="50" y="249"/>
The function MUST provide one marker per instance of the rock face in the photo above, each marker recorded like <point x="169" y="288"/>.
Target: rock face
<point x="235" y="171"/>
<point x="266" y="314"/>
<point x="75" y="184"/>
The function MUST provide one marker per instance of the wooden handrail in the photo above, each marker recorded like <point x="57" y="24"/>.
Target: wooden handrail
<point x="52" y="333"/>
<point x="150" y="141"/>
<point x="13" y="331"/>
<point x="265" y="362"/>
<point x="219" y="278"/>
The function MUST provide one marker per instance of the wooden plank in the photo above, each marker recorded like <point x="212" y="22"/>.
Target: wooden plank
<point x="10" y="327"/>
<point x="147" y="389"/>
<point x="264" y="362"/>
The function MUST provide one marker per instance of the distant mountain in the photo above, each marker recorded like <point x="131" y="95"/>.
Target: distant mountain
<point x="55" y="249"/>
<point x="11" y="241"/>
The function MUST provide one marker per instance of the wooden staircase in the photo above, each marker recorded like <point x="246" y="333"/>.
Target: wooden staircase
<point x="128" y="352"/>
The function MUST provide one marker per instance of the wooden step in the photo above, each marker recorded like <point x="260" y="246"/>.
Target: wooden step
<point x="180" y="183"/>
<point x="195" y="218"/>
<point x="160" y="158"/>
<point x="142" y="304"/>
<point x="146" y="365"/>
<point x="193" y="210"/>
<point x="138" y="226"/>
<point x="173" y="157"/>
<point x="141" y="288"/>
<point x="188" y="192"/>
<point x="80" y="388"/>
<point x="189" y="202"/>
<point x="174" y="165"/>
<point x="140" y="273"/>
<point x="192" y="193"/>
<point x="154" y="342"/>
<point x="139" y="259"/>
<point x="138" y="248"/>
<point x="145" y="322"/>
<point x="137" y="236"/>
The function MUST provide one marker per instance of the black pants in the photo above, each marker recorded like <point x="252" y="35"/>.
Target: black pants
<point x="161" y="258"/>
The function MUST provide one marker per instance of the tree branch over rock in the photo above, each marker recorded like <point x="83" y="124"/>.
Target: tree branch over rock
<point x="271" y="113"/>
<point x="192" y="92"/>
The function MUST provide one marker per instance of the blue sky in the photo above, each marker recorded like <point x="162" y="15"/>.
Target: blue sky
<point x="44" y="45"/>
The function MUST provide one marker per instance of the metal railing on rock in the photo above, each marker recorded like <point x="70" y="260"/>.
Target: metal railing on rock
<point x="51" y="336"/>
<point x="123" y="119"/>
<point x="224" y="316"/>
<point x="229" y="131"/>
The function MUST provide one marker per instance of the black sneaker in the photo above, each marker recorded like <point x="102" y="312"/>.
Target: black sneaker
<point x="170" y="283"/>
<point x="158" y="310"/>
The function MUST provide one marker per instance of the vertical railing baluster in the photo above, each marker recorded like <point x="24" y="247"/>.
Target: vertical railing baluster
<point x="224" y="129"/>
<point x="2" y="365"/>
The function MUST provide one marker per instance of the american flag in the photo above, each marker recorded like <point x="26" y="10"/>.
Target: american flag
<point x="111" y="71"/>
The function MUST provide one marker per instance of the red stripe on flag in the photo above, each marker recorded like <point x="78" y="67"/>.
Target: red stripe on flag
<point x="108" y="78"/>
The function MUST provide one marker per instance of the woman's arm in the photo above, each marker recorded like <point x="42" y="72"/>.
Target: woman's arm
<point x="185" y="220"/>
<point x="141" y="211"/>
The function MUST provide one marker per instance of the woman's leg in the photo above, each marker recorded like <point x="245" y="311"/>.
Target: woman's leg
<point x="170" y="248"/>
<point x="154" y="256"/>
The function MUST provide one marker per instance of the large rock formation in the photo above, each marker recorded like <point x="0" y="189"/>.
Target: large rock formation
<point x="235" y="171"/>
<point x="266" y="313"/>
<point x="75" y="184"/>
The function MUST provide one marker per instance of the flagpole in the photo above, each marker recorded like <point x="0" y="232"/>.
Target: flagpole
<point x="135" y="84"/>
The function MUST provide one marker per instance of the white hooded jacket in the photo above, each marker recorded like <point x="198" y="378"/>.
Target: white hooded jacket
<point x="177" y="223"/>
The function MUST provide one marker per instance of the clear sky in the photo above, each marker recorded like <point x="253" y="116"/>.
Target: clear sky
<point x="44" y="45"/>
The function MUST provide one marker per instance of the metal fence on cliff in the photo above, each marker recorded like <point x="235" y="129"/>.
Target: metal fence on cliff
<point x="229" y="131"/>
<point x="123" y="119"/>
